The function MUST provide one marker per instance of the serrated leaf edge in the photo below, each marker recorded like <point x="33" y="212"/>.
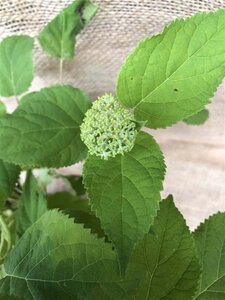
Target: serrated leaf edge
<point x="219" y="81"/>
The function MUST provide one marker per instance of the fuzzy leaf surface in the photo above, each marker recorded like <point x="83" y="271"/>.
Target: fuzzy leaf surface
<point x="60" y="262"/>
<point x="167" y="258"/>
<point x="173" y="75"/>
<point x="44" y="131"/>
<point x="32" y="205"/>
<point x="210" y="242"/>
<point x="16" y="66"/>
<point x="9" y="174"/>
<point x="58" y="37"/>
<point x="125" y="192"/>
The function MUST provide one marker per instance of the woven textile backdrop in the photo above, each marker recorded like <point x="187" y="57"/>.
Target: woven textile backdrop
<point x="194" y="155"/>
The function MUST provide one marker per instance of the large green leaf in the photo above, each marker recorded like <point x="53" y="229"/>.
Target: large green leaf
<point x="210" y="242"/>
<point x="58" y="37"/>
<point x="9" y="174"/>
<point x="128" y="287"/>
<point x="32" y="205"/>
<point x="198" y="119"/>
<point x="125" y="192"/>
<point x="167" y="258"/>
<point x="57" y="259"/>
<point x="45" y="128"/>
<point x="173" y="75"/>
<point x="16" y="66"/>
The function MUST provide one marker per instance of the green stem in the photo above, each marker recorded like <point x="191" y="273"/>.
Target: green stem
<point x="5" y="236"/>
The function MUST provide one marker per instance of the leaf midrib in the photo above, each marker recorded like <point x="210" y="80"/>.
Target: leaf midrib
<point x="174" y="72"/>
<point x="157" y="263"/>
<point x="43" y="258"/>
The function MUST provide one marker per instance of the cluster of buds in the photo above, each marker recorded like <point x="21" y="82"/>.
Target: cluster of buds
<point x="108" y="128"/>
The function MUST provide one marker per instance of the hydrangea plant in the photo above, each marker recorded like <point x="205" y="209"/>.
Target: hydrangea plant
<point x="109" y="235"/>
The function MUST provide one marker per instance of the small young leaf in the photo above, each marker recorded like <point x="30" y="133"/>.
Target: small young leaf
<point x="57" y="259"/>
<point x="45" y="177"/>
<point x="168" y="266"/>
<point x="89" y="11"/>
<point x="58" y="37"/>
<point x="172" y="76"/>
<point x="32" y="205"/>
<point x="16" y="66"/>
<point x="2" y="109"/>
<point x="198" y="119"/>
<point x="125" y="192"/>
<point x="210" y="242"/>
<point x="45" y="128"/>
<point x="9" y="174"/>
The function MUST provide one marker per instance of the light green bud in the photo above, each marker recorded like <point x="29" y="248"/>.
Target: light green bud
<point x="108" y="129"/>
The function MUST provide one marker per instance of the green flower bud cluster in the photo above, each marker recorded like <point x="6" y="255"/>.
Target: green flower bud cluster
<point x="108" y="128"/>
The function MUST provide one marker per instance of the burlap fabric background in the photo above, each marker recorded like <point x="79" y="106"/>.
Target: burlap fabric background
<point x="194" y="155"/>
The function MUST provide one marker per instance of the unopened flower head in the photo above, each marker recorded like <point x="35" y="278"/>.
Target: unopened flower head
<point x="108" y="128"/>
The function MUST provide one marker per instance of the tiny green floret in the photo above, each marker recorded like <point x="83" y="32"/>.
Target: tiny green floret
<point x="108" y="129"/>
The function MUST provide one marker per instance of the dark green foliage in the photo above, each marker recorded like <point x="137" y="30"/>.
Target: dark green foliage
<point x="45" y="128"/>
<point x="108" y="236"/>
